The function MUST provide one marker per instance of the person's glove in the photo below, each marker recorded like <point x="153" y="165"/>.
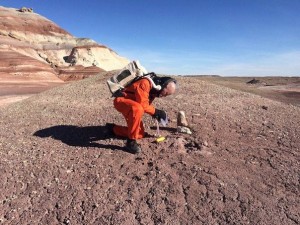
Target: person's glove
<point x="160" y="114"/>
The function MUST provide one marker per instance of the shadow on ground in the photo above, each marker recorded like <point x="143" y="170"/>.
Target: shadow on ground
<point x="79" y="136"/>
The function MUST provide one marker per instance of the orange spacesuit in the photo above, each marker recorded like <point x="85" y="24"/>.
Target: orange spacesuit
<point x="135" y="102"/>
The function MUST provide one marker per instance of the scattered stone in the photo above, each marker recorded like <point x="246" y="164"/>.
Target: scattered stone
<point x="66" y="221"/>
<point x="264" y="107"/>
<point x="185" y="130"/>
<point x="205" y="143"/>
<point x="180" y="142"/>
<point x="182" y="124"/>
<point x="205" y="152"/>
<point x="181" y="119"/>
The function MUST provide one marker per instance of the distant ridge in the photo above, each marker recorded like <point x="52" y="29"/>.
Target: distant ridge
<point x="31" y="42"/>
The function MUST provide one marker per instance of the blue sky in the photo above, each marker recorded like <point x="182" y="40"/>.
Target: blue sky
<point x="224" y="37"/>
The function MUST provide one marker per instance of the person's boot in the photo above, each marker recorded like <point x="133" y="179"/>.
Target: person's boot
<point x="132" y="146"/>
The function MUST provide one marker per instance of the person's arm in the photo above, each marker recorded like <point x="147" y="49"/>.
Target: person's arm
<point x="142" y="96"/>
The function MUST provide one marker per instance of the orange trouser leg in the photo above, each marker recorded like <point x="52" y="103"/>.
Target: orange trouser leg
<point x="133" y="113"/>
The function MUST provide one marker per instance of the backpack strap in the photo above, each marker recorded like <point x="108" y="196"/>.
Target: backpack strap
<point x="149" y="76"/>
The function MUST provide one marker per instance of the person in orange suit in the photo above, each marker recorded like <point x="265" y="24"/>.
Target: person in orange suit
<point x="136" y="100"/>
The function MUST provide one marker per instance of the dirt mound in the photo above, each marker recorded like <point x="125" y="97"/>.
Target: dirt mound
<point x="59" y="165"/>
<point x="256" y="81"/>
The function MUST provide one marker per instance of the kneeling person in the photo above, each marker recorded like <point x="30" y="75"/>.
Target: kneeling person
<point x="136" y="100"/>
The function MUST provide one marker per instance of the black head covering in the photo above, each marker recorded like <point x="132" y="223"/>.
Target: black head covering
<point x="163" y="82"/>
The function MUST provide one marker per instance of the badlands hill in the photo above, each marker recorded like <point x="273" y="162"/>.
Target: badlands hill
<point x="34" y="49"/>
<point x="59" y="165"/>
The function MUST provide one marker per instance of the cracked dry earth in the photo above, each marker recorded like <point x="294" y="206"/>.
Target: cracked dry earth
<point x="60" y="166"/>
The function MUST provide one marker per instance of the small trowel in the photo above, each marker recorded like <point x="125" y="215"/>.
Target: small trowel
<point x="164" y="123"/>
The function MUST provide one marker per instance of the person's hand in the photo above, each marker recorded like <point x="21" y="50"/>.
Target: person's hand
<point x="160" y="114"/>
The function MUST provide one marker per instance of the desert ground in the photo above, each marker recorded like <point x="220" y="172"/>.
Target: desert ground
<point x="241" y="165"/>
<point x="11" y="92"/>
<point x="284" y="89"/>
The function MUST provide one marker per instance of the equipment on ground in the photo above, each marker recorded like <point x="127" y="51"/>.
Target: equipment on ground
<point x="160" y="138"/>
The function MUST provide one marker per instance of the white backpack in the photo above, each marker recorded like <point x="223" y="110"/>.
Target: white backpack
<point x="130" y="73"/>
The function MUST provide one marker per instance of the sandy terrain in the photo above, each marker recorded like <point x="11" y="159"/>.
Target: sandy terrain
<point x="11" y="92"/>
<point x="284" y="89"/>
<point x="59" y="165"/>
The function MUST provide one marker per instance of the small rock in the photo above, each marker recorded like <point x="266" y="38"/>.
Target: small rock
<point x="180" y="145"/>
<point x="205" y="143"/>
<point x="66" y="221"/>
<point x="184" y="130"/>
<point x="181" y="119"/>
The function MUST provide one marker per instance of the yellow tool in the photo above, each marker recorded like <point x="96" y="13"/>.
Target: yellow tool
<point x="160" y="139"/>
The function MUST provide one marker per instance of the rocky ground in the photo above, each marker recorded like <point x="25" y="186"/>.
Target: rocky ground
<point x="284" y="89"/>
<point x="14" y="91"/>
<point x="59" y="165"/>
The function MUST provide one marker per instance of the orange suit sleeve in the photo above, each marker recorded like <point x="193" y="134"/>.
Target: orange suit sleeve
<point x="142" y="96"/>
